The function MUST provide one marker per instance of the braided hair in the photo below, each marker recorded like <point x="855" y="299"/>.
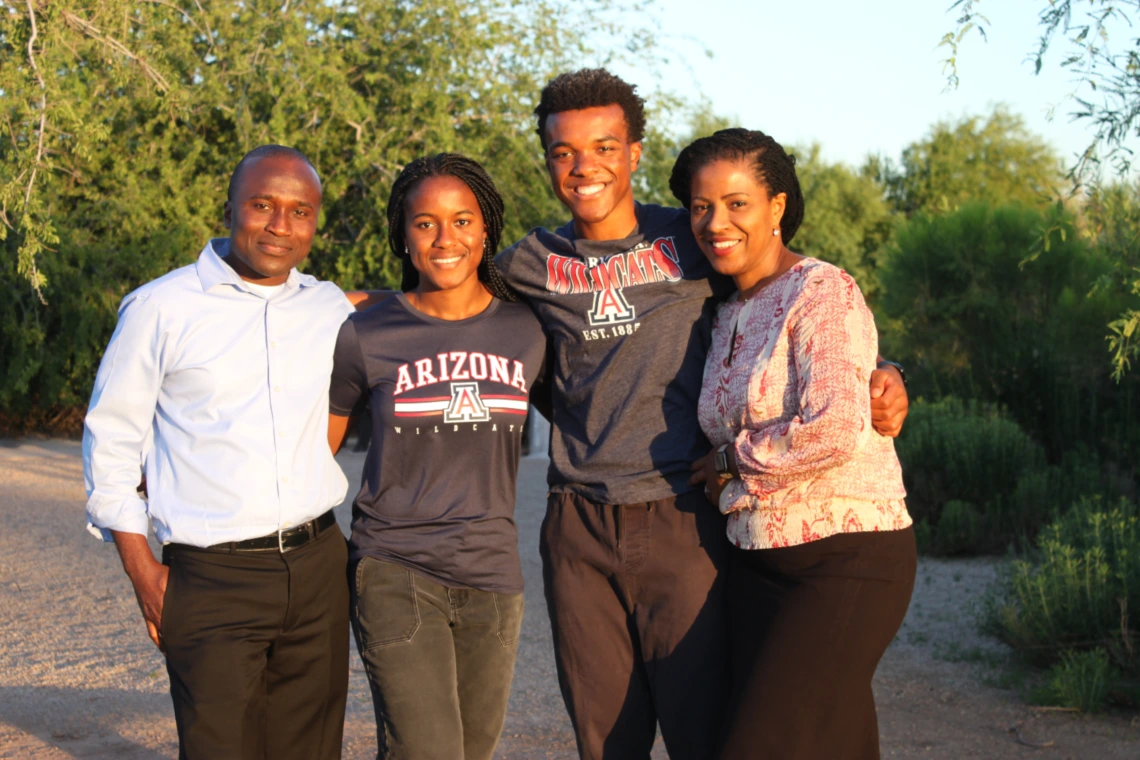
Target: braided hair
<point x="773" y="168"/>
<point x="476" y="178"/>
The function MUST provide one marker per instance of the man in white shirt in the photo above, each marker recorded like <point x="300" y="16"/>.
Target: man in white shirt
<point x="216" y="384"/>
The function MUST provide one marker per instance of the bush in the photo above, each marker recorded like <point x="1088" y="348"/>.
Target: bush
<point x="1076" y="592"/>
<point x="978" y="483"/>
<point x="997" y="303"/>
<point x="959" y="528"/>
<point x="1081" y="680"/>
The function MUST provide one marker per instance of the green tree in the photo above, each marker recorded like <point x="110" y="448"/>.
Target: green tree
<point x="995" y="159"/>
<point x="847" y="219"/>
<point x="970" y="317"/>
<point x="122" y="120"/>
<point x="1101" y="52"/>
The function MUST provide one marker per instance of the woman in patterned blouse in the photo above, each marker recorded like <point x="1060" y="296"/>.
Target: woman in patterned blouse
<point x="823" y="557"/>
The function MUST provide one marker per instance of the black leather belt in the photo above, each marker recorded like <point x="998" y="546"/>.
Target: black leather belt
<point x="283" y="540"/>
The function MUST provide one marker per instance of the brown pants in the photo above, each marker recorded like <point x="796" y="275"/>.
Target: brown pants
<point x="808" y="625"/>
<point x="635" y="596"/>
<point x="257" y="650"/>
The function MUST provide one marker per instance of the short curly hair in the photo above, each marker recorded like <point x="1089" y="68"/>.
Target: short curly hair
<point x="591" y="88"/>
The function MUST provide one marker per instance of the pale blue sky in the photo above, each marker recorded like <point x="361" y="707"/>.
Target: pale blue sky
<point x="859" y="77"/>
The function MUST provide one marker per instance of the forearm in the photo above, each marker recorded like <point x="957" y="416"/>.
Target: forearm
<point x="338" y="431"/>
<point x="134" y="551"/>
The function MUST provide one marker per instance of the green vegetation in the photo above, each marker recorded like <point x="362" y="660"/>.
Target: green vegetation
<point x="122" y="120"/>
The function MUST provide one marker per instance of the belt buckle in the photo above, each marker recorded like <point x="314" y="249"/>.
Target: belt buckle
<point x="281" y="542"/>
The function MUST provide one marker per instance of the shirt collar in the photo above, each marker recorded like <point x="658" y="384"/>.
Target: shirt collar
<point x="214" y="271"/>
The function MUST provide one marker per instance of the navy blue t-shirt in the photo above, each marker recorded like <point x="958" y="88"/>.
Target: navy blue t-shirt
<point x="449" y="401"/>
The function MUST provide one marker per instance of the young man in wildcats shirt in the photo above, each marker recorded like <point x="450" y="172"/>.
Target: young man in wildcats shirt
<point x="632" y="554"/>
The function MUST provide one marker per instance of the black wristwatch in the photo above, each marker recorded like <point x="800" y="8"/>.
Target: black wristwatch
<point x="720" y="461"/>
<point x="896" y="365"/>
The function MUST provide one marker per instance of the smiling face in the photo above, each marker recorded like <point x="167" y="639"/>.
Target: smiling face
<point x="591" y="162"/>
<point x="444" y="232"/>
<point x="272" y="218"/>
<point x="733" y="219"/>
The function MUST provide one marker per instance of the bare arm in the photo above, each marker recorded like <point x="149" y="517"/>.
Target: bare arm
<point x="338" y="431"/>
<point x="149" y="578"/>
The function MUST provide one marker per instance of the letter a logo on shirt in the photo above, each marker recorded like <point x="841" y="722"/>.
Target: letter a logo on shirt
<point x="466" y="405"/>
<point x="610" y="308"/>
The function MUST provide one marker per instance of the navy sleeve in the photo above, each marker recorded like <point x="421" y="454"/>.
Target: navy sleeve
<point x="349" y="386"/>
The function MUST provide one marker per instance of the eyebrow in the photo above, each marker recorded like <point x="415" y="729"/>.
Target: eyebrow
<point x="267" y="197"/>
<point x="607" y="138"/>
<point x="456" y="213"/>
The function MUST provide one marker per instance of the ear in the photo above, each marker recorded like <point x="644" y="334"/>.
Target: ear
<point x="779" y="205"/>
<point x="634" y="156"/>
<point x="227" y="215"/>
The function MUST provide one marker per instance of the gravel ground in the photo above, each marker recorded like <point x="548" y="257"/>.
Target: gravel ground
<point x="79" y="678"/>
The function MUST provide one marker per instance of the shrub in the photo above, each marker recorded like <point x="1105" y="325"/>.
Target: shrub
<point x="971" y="456"/>
<point x="1081" y="680"/>
<point x="1076" y="591"/>
<point x="959" y="528"/>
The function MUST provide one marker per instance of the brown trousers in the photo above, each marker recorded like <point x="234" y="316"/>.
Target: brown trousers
<point x="808" y="625"/>
<point x="257" y="650"/>
<point x="635" y="596"/>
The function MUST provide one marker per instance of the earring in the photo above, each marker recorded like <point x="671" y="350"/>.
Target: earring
<point x="776" y="232"/>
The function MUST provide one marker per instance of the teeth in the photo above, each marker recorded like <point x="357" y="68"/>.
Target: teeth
<point x="589" y="189"/>
<point x="449" y="260"/>
<point x="725" y="243"/>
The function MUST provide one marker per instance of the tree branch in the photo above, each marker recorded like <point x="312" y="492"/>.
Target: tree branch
<point x="96" y="34"/>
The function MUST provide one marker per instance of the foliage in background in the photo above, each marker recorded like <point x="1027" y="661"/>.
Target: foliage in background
<point x="970" y="317"/>
<point x="847" y="220"/>
<point x="1101" y="52"/>
<point x="1080" y="590"/>
<point x="994" y="159"/>
<point x="123" y="119"/>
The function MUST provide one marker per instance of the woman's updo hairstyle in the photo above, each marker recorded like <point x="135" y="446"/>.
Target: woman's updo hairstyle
<point x="482" y="186"/>
<point x="774" y="169"/>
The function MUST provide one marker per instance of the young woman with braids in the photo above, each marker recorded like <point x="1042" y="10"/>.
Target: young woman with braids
<point x="446" y="368"/>
<point x="822" y="556"/>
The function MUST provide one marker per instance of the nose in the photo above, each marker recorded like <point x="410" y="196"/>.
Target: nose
<point x="444" y="237"/>
<point x="717" y="217"/>
<point x="583" y="163"/>
<point x="280" y="223"/>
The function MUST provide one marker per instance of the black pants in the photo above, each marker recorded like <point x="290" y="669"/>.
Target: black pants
<point x="257" y="650"/>
<point x="440" y="661"/>
<point x="808" y="625"/>
<point x="635" y="596"/>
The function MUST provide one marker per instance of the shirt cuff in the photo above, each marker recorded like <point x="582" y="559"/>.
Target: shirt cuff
<point x="127" y="515"/>
<point x="734" y="497"/>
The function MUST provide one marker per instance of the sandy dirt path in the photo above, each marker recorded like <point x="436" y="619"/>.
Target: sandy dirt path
<point x="79" y="678"/>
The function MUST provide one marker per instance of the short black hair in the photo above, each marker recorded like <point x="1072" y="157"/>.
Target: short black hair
<point x="472" y="174"/>
<point x="265" y="151"/>
<point x="591" y="88"/>
<point x="774" y="168"/>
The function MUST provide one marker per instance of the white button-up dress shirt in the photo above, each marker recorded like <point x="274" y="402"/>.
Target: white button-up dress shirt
<point x="221" y="395"/>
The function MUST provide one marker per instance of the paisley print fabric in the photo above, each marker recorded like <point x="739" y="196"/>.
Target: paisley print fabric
<point x="786" y="383"/>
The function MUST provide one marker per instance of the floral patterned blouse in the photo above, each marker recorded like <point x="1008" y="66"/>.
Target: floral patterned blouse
<point x="786" y="383"/>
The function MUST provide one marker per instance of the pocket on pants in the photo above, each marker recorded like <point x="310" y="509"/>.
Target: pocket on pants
<point x="509" y="612"/>
<point x="384" y="606"/>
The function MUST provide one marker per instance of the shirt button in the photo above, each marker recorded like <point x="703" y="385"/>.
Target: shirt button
<point x="273" y="344"/>
<point x="285" y="479"/>
<point x="277" y="389"/>
<point x="282" y="434"/>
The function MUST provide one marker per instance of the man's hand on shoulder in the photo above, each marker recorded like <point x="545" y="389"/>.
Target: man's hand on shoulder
<point x="149" y="578"/>
<point x="362" y="299"/>
<point x="889" y="402"/>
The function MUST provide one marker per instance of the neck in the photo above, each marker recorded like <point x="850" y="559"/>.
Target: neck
<point x="775" y="264"/>
<point x="248" y="274"/>
<point x="618" y="224"/>
<point x="468" y="300"/>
